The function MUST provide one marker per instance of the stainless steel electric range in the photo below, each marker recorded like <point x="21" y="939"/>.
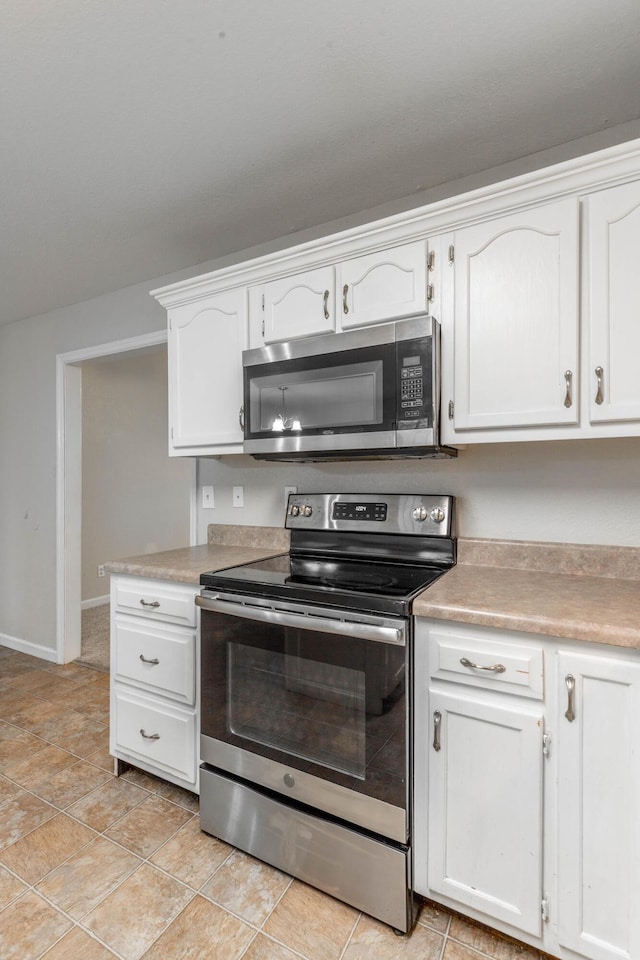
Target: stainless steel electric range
<point x="306" y="690"/>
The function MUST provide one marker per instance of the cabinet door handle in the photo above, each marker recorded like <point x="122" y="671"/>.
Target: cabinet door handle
<point x="325" y="304"/>
<point x="241" y="417"/>
<point x="568" y="379"/>
<point x="152" y="603"/>
<point x="155" y="660"/>
<point x="345" y="291"/>
<point x="570" y="712"/>
<point x="599" y="377"/>
<point x="494" y="668"/>
<point x="149" y="736"/>
<point x="437" y="720"/>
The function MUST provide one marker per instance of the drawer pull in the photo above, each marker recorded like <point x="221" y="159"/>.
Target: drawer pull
<point x="437" y="720"/>
<point x="570" y="712"/>
<point x="151" y="603"/>
<point x="494" y="668"/>
<point x="149" y="736"/>
<point x="154" y="661"/>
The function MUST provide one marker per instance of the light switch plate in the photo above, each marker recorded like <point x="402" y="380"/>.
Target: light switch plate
<point x="238" y="496"/>
<point x="207" y="497"/>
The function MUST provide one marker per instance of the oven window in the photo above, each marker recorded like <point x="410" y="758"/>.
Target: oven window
<point x="308" y="709"/>
<point x="333" y="706"/>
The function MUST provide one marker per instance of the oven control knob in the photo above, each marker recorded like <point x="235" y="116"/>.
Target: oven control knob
<point x="289" y="781"/>
<point x="437" y="514"/>
<point x="420" y="513"/>
<point x="307" y="510"/>
<point x="294" y="510"/>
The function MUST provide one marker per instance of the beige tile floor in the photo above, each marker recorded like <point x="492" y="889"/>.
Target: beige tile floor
<point x="93" y="867"/>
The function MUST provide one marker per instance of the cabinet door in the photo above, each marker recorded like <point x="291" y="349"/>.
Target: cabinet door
<point x="300" y="306"/>
<point x="599" y="795"/>
<point x="206" y="340"/>
<point x="613" y="236"/>
<point x="485" y="807"/>
<point x="383" y="286"/>
<point x="516" y="320"/>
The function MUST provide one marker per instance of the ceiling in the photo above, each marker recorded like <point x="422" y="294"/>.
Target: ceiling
<point x="140" y="138"/>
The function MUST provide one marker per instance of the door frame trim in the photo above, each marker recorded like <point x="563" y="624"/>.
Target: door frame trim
<point x="69" y="485"/>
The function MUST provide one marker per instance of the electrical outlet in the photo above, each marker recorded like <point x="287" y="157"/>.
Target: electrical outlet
<point x="238" y="496"/>
<point x="207" y="497"/>
<point x="101" y="570"/>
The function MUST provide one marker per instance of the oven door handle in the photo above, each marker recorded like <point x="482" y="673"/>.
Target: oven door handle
<point x="282" y="618"/>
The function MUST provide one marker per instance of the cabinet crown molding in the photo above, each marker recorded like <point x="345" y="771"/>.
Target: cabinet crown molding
<point x="588" y="173"/>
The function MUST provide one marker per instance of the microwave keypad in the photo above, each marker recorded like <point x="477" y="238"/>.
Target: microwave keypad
<point x="411" y="389"/>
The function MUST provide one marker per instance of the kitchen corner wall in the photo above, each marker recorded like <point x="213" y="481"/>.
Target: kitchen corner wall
<point x="580" y="491"/>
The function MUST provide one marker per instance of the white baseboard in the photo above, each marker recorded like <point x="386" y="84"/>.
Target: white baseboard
<point x="95" y="602"/>
<point x="24" y="646"/>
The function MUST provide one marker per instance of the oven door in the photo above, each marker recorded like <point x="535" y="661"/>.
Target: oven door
<point x="310" y="705"/>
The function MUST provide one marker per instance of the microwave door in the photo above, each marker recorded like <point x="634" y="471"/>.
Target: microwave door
<point x="335" y="401"/>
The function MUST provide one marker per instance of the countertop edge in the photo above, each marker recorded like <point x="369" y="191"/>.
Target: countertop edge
<point x="567" y="606"/>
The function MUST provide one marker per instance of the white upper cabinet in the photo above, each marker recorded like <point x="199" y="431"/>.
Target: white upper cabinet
<point x="516" y="320"/>
<point x="385" y="285"/>
<point x="613" y="242"/>
<point x="300" y="306"/>
<point x="206" y="340"/>
<point x="376" y="287"/>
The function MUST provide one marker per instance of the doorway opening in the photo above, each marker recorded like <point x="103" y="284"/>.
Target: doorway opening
<point x="105" y="480"/>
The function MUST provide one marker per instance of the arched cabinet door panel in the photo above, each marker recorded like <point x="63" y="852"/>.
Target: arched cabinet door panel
<point x="386" y="285"/>
<point x="206" y="340"/>
<point x="613" y="240"/>
<point x="300" y="306"/>
<point x="516" y="320"/>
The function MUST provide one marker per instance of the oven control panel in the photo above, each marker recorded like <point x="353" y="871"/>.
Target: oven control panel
<point x="421" y="515"/>
<point x="359" y="511"/>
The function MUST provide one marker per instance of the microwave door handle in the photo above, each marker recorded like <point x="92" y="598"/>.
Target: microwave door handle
<point x="282" y="618"/>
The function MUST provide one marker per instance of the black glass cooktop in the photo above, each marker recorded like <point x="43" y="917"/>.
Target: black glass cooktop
<point x="354" y="584"/>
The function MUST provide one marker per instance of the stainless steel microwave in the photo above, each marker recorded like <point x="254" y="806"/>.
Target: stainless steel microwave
<point x="371" y="393"/>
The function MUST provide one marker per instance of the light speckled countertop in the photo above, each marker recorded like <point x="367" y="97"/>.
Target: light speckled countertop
<point x="561" y="590"/>
<point x="575" y="591"/>
<point x="228" y="546"/>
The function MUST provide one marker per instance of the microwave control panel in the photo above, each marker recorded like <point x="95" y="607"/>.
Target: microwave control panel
<point x="414" y="405"/>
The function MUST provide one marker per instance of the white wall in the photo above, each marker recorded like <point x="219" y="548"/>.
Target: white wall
<point x="135" y="499"/>
<point x="28" y="352"/>
<point x="580" y="491"/>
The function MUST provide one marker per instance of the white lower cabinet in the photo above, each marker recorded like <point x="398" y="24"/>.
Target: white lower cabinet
<point x="485" y="807"/>
<point x="598" y="801"/>
<point x="155" y="734"/>
<point x="526" y="792"/>
<point x="154" y="678"/>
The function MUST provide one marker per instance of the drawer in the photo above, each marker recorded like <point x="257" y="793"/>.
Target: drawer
<point x="485" y="659"/>
<point x="157" y="733"/>
<point x="156" y="656"/>
<point x="156" y="599"/>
